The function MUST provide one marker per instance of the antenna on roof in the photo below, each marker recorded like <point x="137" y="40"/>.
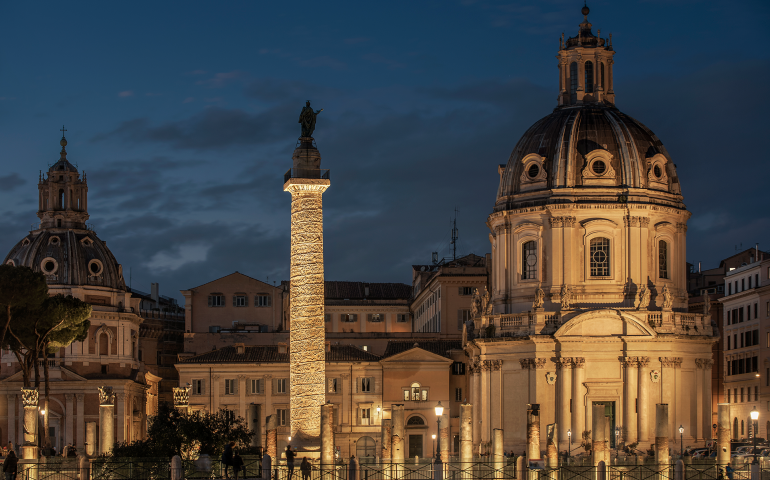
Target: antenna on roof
<point x="454" y="236"/>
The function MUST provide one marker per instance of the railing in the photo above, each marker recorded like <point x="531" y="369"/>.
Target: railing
<point x="687" y="320"/>
<point x="655" y="319"/>
<point x="51" y="363"/>
<point x="306" y="173"/>
<point x="514" y="320"/>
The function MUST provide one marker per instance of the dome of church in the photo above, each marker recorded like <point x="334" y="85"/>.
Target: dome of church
<point x="68" y="257"/>
<point x="592" y="145"/>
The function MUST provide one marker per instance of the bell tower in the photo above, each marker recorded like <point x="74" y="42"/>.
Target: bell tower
<point x="63" y="194"/>
<point x="585" y="67"/>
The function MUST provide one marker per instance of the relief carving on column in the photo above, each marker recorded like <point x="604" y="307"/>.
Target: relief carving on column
<point x="486" y="365"/>
<point x="563" y="362"/>
<point x="497" y="365"/>
<point x="106" y="396"/>
<point x="80" y="397"/>
<point x="344" y="376"/>
<point x="29" y="397"/>
<point x="671" y="362"/>
<point x="704" y="363"/>
<point x="643" y="361"/>
<point x="644" y="222"/>
<point x="556" y="222"/>
<point x="681" y="227"/>
<point x="568" y="222"/>
<point x="532" y="363"/>
<point x="631" y="221"/>
<point x="241" y="377"/>
<point x="181" y="396"/>
<point x="215" y="377"/>
<point x="578" y="362"/>
<point x="69" y="397"/>
<point x="629" y="361"/>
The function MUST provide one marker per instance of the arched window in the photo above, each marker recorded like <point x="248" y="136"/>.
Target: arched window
<point x="61" y="199"/>
<point x="573" y="83"/>
<point x="589" y="77"/>
<point x="600" y="257"/>
<point x="415" y="420"/>
<point x="529" y="260"/>
<point x="601" y="72"/>
<point x="662" y="259"/>
<point x="742" y="428"/>
<point x="104" y="342"/>
<point x="735" y="428"/>
<point x="365" y="447"/>
<point x="415" y="391"/>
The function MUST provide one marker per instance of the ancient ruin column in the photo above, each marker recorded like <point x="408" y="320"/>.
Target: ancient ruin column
<point x="272" y="437"/>
<point x="443" y="437"/>
<point x="397" y="416"/>
<point x="552" y="445"/>
<point x="630" y="388"/>
<point x="182" y="399"/>
<point x="80" y="423"/>
<point x="307" y="331"/>
<point x="661" y="434"/>
<point x="644" y="399"/>
<point x="106" y="419"/>
<point x="466" y="432"/>
<point x="598" y="430"/>
<point x="386" y="434"/>
<point x="327" y="434"/>
<point x="29" y="398"/>
<point x="255" y="423"/>
<point x="91" y="445"/>
<point x="69" y="417"/>
<point x="397" y="453"/>
<point x="121" y="418"/>
<point x="476" y="400"/>
<point x="705" y="420"/>
<point x="11" y="412"/>
<point x="498" y="455"/>
<point x="486" y="402"/>
<point x="723" y="434"/>
<point x="533" y="431"/>
<point x="578" y="395"/>
<point x="564" y="383"/>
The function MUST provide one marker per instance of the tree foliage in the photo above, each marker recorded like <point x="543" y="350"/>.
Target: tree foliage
<point x="188" y="435"/>
<point x="20" y="287"/>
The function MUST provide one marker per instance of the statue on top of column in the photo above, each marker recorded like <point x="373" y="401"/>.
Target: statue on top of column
<point x="539" y="298"/>
<point x="644" y="298"/>
<point x="566" y="297"/>
<point x="668" y="300"/>
<point x="475" y="303"/>
<point x="307" y="119"/>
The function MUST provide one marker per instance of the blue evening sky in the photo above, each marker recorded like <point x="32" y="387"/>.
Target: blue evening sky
<point x="184" y="116"/>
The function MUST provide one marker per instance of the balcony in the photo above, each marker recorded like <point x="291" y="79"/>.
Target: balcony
<point x="306" y="173"/>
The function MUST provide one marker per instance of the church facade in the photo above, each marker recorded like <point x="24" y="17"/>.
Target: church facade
<point x="587" y="301"/>
<point x="76" y="262"/>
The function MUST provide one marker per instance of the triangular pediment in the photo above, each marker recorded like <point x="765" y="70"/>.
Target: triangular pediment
<point x="605" y="323"/>
<point x="415" y="355"/>
<point x="67" y="375"/>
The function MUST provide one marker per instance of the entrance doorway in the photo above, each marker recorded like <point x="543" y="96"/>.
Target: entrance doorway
<point x="415" y="446"/>
<point x="609" y="411"/>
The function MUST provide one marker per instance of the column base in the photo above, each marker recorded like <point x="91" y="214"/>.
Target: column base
<point x="29" y="452"/>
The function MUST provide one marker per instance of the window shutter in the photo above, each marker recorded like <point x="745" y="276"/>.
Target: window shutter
<point x="210" y="300"/>
<point x="275" y="386"/>
<point x="234" y="302"/>
<point x="355" y="317"/>
<point x="460" y="290"/>
<point x="372" y="386"/>
<point x="358" y="382"/>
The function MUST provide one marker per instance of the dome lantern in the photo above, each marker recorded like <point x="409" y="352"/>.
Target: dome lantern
<point x="63" y="194"/>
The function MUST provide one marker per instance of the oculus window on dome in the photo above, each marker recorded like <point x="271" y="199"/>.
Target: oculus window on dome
<point x="49" y="266"/>
<point x="95" y="267"/>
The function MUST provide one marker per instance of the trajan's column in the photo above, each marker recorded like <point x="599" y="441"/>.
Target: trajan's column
<point x="306" y="182"/>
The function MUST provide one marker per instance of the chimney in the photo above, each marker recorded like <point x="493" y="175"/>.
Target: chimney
<point x="698" y="267"/>
<point x="154" y="293"/>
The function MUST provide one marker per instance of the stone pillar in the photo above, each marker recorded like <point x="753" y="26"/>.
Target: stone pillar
<point x="661" y="434"/>
<point x="106" y="419"/>
<point x="644" y="399"/>
<point x="630" y="389"/>
<point x="80" y="422"/>
<point x="564" y="396"/>
<point x="84" y="466"/>
<point x="598" y="430"/>
<point x="578" y="397"/>
<point x="397" y="453"/>
<point x="397" y="416"/>
<point x="705" y="420"/>
<point x="476" y="401"/>
<point x="552" y="446"/>
<point x="272" y="436"/>
<point x="443" y="437"/>
<point x="533" y="431"/>
<point x="69" y="417"/>
<point x="29" y="397"/>
<point x="498" y="455"/>
<point x="466" y="432"/>
<point x="496" y="394"/>
<point x="91" y="445"/>
<point x="306" y="307"/>
<point x="182" y="399"/>
<point x="121" y="418"/>
<point x="521" y="471"/>
<point x="176" y="468"/>
<point x="11" y="412"/>
<point x="255" y="423"/>
<point x="723" y="434"/>
<point x="386" y="434"/>
<point x="327" y="434"/>
<point x="486" y="404"/>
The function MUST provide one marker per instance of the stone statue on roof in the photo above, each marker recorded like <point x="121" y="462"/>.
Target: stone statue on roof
<point x="307" y="119"/>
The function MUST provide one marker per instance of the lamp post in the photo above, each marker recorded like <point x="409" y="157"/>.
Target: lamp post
<point x="754" y="418"/>
<point x="681" y="441"/>
<point x="439" y="411"/>
<point x="569" y="443"/>
<point x="617" y="440"/>
<point x="434" y="445"/>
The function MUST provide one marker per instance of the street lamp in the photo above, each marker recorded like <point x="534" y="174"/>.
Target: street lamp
<point x="681" y="441"/>
<point x="617" y="440"/>
<point x="754" y="418"/>
<point x="569" y="443"/>
<point x="434" y="445"/>
<point x="439" y="411"/>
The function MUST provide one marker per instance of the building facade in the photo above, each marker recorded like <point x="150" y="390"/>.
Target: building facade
<point x="588" y="299"/>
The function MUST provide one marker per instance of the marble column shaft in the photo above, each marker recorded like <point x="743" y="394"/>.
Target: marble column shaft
<point x="533" y="432"/>
<point x="578" y="397"/>
<point x="661" y="434"/>
<point x="80" y="422"/>
<point x="564" y="396"/>
<point x="327" y="434"/>
<point x="386" y="435"/>
<point x="598" y="431"/>
<point x="466" y="432"/>
<point x="644" y="400"/>
<point x="476" y="380"/>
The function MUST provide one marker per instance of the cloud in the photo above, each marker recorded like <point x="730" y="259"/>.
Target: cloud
<point x="126" y="93"/>
<point x="223" y="79"/>
<point x="178" y="256"/>
<point x="11" y="182"/>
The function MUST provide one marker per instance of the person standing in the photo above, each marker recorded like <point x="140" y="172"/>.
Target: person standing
<point x="237" y="465"/>
<point x="10" y="465"/>
<point x="290" y="454"/>
<point x="227" y="457"/>
<point x="305" y="468"/>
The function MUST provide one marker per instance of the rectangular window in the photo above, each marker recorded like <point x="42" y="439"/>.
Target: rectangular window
<point x="728" y="317"/>
<point x="256" y="386"/>
<point x="756" y="280"/>
<point x="458" y="394"/>
<point x="767" y="377"/>
<point x="197" y="387"/>
<point x="281" y="413"/>
<point x="331" y="385"/>
<point x="728" y="368"/>
<point x="348" y="317"/>
<point x="376" y="317"/>
<point x="728" y="342"/>
<point x="528" y="260"/>
<point x="229" y="417"/>
<point x="216" y="300"/>
<point x="754" y="364"/>
<point x="466" y="290"/>
<point x="600" y="257"/>
<point x="728" y="395"/>
<point x="366" y="415"/>
<point x="406" y="395"/>
<point x="262" y="300"/>
<point x="230" y="386"/>
<point x="462" y="316"/>
<point x="740" y="315"/>
<point x="215" y="329"/>
<point x="239" y="301"/>
<point x="424" y="395"/>
<point x="755" y="340"/>
<point x="741" y="394"/>
<point x="281" y="385"/>
<point x="366" y="384"/>
<point x="749" y="282"/>
<point x="458" y="368"/>
<point x="401" y="317"/>
<point x="327" y="317"/>
<point x="756" y="310"/>
<point x="735" y="395"/>
<point x="729" y="289"/>
<point x="743" y="284"/>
